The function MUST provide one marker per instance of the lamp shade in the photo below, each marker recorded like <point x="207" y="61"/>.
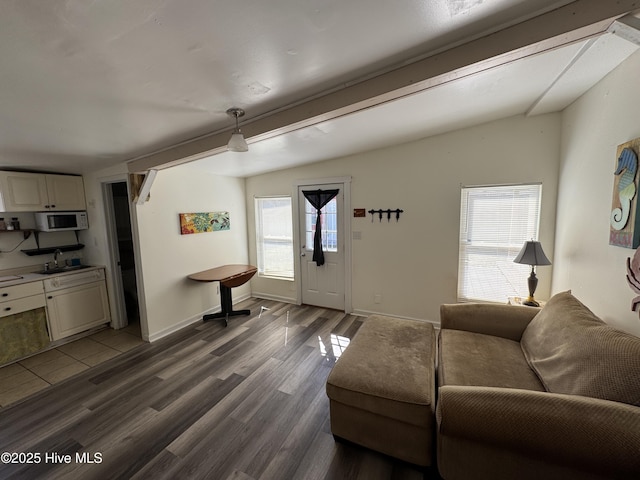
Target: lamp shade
<point x="237" y="143"/>
<point x="532" y="254"/>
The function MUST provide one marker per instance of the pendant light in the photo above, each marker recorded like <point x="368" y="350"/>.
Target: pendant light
<point x="237" y="143"/>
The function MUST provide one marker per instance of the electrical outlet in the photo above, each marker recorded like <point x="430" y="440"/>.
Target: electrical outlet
<point x="377" y="298"/>
<point x="217" y="289"/>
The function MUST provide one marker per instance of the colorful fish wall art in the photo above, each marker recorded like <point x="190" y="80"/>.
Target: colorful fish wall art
<point x="204" y="222"/>
<point x="625" y="216"/>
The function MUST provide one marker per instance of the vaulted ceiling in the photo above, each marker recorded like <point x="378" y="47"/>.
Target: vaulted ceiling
<point x="86" y="85"/>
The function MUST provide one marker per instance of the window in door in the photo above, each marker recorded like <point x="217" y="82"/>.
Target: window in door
<point x="495" y="221"/>
<point x="274" y="237"/>
<point x="329" y="220"/>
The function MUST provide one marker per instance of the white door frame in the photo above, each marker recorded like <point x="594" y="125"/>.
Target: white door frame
<point x="346" y="226"/>
<point x="119" y="317"/>
<point x="112" y="251"/>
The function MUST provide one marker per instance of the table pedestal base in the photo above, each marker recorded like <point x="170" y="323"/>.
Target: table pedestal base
<point x="229" y="276"/>
<point x="227" y="307"/>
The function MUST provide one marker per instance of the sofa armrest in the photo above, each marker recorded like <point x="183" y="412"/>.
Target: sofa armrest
<point x="588" y="434"/>
<point x="499" y="320"/>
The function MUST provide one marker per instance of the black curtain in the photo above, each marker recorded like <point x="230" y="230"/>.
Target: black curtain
<point x="318" y="199"/>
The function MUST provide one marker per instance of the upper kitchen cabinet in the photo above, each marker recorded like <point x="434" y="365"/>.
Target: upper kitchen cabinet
<point x="37" y="192"/>
<point x="66" y="192"/>
<point x="23" y="192"/>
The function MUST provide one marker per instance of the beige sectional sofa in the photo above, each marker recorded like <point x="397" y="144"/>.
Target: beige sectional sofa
<point x="528" y="393"/>
<point x="522" y="393"/>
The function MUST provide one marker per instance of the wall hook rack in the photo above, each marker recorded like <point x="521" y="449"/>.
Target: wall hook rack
<point x="388" y="212"/>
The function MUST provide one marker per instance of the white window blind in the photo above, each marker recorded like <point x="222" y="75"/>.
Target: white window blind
<point x="274" y="237"/>
<point x="495" y="221"/>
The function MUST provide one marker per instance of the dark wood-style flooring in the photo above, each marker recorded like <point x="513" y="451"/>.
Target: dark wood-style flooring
<point x="243" y="402"/>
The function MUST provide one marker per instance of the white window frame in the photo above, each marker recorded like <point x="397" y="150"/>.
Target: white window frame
<point x="284" y="239"/>
<point x="495" y="222"/>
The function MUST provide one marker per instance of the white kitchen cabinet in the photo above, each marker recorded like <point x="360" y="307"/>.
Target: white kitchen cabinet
<point x="21" y="290"/>
<point x="23" y="304"/>
<point x="20" y="298"/>
<point x="23" y="192"/>
<point x="65" y="192"/>
<point x="37" y="192"/>
<point x="75" y="303"/>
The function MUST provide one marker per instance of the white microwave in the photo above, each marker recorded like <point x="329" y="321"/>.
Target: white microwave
<point x="61" y="221"/>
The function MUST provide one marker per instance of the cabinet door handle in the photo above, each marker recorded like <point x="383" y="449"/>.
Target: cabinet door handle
<point x="5" y="294"/>
<point x="53" y="206"/>
<point x="6" y="309"/>
<point x="49" y="297"/>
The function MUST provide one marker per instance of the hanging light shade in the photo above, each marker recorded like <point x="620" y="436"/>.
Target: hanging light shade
<point x="237" y="143"/>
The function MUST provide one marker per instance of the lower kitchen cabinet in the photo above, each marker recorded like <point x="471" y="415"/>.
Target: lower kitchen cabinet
<point x="78" y="308"/>
<point x="23" y="321"/>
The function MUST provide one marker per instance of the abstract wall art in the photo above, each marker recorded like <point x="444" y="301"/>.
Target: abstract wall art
<point x="204" y="222"/>
<point x="624" y="222"/>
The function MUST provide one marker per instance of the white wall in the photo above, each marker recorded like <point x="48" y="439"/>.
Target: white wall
<point x="96" y="250"/>
<point x="167" y="257"/>
<point x="592" y="128"/>
<point x="11" y="244"/>
<point x="413" y="263"/>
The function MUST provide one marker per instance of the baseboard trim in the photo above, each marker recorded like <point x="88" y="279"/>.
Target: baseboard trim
<point x="266" y="296"/>
<point x="275" y="298"/>
<point x="367" y="313"/>
<point x="191" y="320"/>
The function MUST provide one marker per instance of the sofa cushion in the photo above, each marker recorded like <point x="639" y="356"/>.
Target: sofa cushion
<point x="574" y="352"/>
<point x="475" y="359"/>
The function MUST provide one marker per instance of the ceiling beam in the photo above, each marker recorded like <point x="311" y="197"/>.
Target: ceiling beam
<point x="577" y="21"/>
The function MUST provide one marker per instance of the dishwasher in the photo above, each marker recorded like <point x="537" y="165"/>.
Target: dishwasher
<point x="76" y="302"/>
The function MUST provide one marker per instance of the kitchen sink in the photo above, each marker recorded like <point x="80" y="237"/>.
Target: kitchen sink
<point x="67" y="268"/>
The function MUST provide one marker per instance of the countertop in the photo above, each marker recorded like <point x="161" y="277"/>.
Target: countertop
<point x="35" y="277"/>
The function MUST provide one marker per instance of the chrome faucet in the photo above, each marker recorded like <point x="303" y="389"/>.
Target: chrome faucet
<point x="55" y="257"/>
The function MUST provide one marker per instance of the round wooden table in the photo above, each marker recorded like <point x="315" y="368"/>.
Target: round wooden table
<point x="229" y="276"/>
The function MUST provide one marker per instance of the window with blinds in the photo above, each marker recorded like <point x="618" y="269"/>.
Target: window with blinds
<point x="274" y="237"/>
<point x="495" y="221"/>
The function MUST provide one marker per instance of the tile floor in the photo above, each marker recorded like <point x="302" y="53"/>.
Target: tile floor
<point x="28" y="376"/>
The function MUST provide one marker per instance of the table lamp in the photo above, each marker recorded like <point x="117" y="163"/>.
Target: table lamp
<point x="532" y="254"/>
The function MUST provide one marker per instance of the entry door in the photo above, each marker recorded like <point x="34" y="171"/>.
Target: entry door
<point x="322" y="286"/>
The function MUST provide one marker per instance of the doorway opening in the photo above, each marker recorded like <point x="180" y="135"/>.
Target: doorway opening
<point x="123" y="256"/>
